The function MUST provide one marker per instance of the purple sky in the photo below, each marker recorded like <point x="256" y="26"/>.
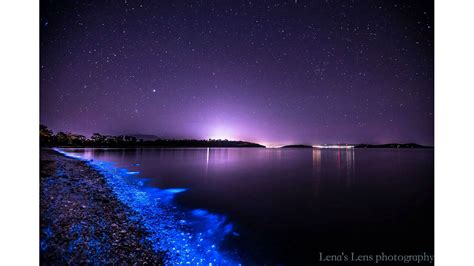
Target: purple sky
<point x="265" y="71"/>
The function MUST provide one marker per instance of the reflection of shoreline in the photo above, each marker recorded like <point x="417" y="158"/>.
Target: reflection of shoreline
<point x="207" y="159"/>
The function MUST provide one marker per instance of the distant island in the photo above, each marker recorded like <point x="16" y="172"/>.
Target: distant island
<point x="62" y="139"/>
<point x="297" y="146"/>
<point x="359" y="146"/>
<point x="394" y="146"/>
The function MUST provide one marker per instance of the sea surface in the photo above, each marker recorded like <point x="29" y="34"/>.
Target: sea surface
<point x="276" y="206"/>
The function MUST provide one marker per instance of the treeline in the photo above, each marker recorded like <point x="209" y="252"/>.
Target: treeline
<point x="66" y="139"/>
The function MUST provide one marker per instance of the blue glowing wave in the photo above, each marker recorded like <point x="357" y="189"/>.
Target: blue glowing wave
<point x="188" y="237"/>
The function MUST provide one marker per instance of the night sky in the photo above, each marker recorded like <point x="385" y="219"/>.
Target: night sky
<point x="273" y="72"/>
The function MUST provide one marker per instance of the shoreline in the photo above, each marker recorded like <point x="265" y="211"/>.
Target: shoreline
<point x="82" y="221"/>
<point x="167" y="233"/>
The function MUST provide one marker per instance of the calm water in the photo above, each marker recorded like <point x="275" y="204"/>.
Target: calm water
<point x="287" y="205"/>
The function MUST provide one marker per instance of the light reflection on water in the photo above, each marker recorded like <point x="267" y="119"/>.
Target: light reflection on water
<point x="343" y="160"/>
<point x="317" y="169"/>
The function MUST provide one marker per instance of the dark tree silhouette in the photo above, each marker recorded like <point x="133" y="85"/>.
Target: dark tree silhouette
<point x="66" y="139"/>
<point x="46" y="135"/>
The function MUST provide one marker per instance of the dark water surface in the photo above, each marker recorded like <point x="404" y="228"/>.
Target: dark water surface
<point x="287" y="205"/>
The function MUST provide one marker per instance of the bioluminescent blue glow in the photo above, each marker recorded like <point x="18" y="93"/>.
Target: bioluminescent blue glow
<point x="132" y="173"/>
<point x="188" y="236"/>
<point x="176" y="190"/>
<point x="48" y="233"/>
<point x="199" y="212"/>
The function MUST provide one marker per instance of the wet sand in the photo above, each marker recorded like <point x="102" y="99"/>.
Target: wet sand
<point x="81" y="222"/>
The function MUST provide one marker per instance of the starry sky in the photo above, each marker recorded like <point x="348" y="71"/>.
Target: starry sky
<point x="273" y="72"/>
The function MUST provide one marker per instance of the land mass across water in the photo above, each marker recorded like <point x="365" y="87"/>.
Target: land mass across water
<point x="357" y="146"/>
<point x="297" y="146"/>
<point x="62" y="139"/>
<point x="97" y="140"/>
<point x="394" y="146"/>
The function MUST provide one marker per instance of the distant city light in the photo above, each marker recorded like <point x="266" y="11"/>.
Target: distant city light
<point x="333" y="146"/>
<point x="272" y="146"/>
<point x="269" y="146"/>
